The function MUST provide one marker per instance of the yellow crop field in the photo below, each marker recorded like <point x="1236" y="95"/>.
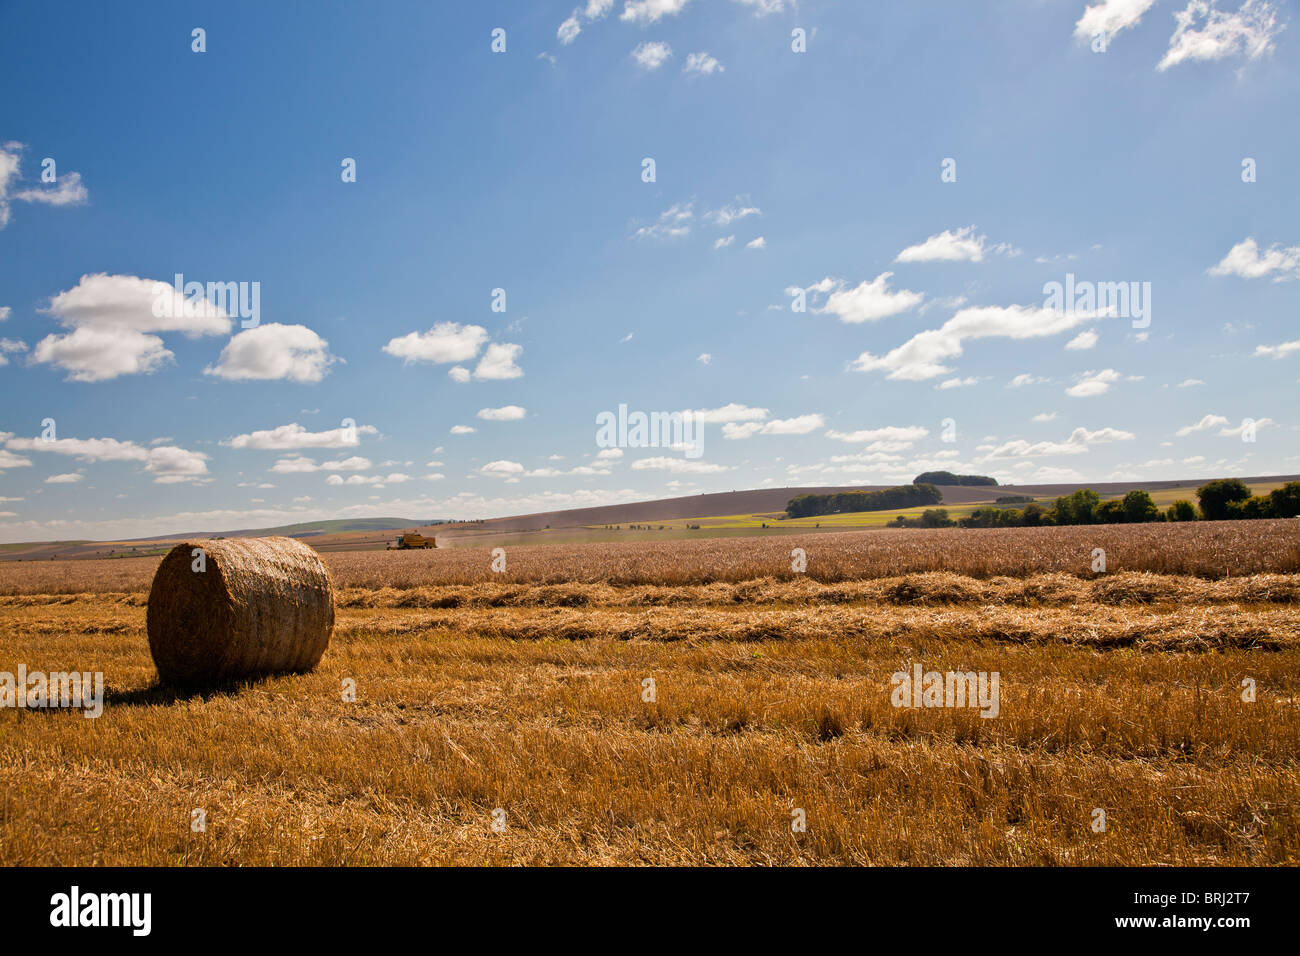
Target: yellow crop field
<point x="690" y="702"/>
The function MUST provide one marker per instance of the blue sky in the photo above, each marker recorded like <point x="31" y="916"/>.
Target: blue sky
<point x="522" y="170"/>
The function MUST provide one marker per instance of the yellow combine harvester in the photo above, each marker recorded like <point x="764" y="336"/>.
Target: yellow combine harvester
<point x="412" y="540"/>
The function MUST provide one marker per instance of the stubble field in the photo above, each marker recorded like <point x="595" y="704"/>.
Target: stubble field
<point x="519" y="697"/>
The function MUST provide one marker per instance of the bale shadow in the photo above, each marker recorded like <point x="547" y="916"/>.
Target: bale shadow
<point x="159" y="693"/>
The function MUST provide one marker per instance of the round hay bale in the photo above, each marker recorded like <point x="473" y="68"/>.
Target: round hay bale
<point x="259" y="606"/>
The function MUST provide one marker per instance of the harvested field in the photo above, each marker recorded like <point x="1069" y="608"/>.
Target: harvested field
<point x="524" y="692"/>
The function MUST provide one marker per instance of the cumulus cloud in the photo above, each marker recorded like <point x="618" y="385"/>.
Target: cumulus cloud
<point x="274" y="352"/>
<point x="865" y="302"/>
<point x="1204" y="32"/>
<point x="923" y="355"/>
<point x="673" y="223"/>
<point x="112" y="320"/>
<point x="1277" y="351"/>
<point x="759" y="243"/>
<point x="649" y="11"/>
<point x="799" y="425"/>
<point x="1083" y="341"/>
<point x="726" y="215"/>
<point x="702" y="64"/>
<point x="293" y="436"/>
<point x="167" y="463"/>
<point x="446" y="342"/>
<point x="961" y="245"/>
<point x="1078" y="443"/>
<point x="651" y="55"/>
<point x="677" y="466"/>
<point x="1246" y="261"/>
<point x="506" y="413"/>
<point x="1091" y="384"/>
<point x="66" y="191"/>
<point x="1205" y="424"/>
<point x="905" y="434"/>
<point x="67" y="479"/>
<point x="1110" y="17"/>
<point x="498" y="362"/>
<point x="463" y="429"/>
<point x="10" y="346"/>
<point x="731" y="412"/>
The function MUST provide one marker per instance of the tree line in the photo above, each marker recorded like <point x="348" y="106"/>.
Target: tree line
<point x="1224" y="499"/>
<point x="887" y="499"/>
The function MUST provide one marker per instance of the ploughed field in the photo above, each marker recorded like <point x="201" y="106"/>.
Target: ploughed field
<point x="518" y="697"/>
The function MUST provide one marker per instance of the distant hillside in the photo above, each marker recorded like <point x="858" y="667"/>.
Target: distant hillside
<point x="308" y="529"/>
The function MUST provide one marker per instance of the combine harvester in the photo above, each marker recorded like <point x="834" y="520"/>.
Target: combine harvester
<point x="412" y="541"/>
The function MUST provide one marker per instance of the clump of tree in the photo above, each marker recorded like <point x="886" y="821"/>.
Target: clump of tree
<point x="948" y="478"/>
<point x="1013" y="500"/>
<point x="930" y="518"/>
<point x="1230" y="499"/>
<point x="840" y="502"/>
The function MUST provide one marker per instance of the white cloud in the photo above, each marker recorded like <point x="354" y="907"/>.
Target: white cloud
<point x="274" y="352"/>
<point x="704" y="358"/>
<point x="97" y="355"/>
<point x="111" y="318"/>
<point x="68" y="479"/>
<point x="651" y="55"/>
<point x="459" y="374"/>
<point x="463" y="429"/>
<point x="9" y="346"/>
<point x="724" y="242"/>
<point x="569" y="30"/>
<point x="445" y="342"/>
<point x="9" y="460"/>
<point x="961" y="245"/>
<point x="1229" y="431"/>
<point x="67" y="191"/>
<point x="498" y="362"/>
<point x="171" y="465"/>
<point x="799" y="425"/>
<point x="1024" y="378"/>
<point x="502" y="468"/>
<point x="890" y="433"/>
<point x="1245" y="260"/>
<point x="726" y="215"/>
<point x="1078" y="443"/>
<point x="1205" y="424"/>
<point x="4" y="312"/>
<point x="957" y="383"/>
<point x="648" y="11"/>
<point x="293" y="436"/>
<point x="1045" y="417"/>
<point x="762" y="8"/>
<point x="1084" y="340"/>
<point x="378" y="481"/>
<point x="703" y="64"/>
<point x="866" y="302"/>
<point x="731" y="412"/>
<point x="677" y="466"/>
<point x="168" y="464"/>
<point x="1249" y="32"/>
<point x="1191" y="382"/>
<point x="605" y="454"/>
<point x="506" y="413"/>
<point x="921" y="356"/>
<point x="1091" y="384"/>
<point x="1109" y="17"/>
<point x="759" y="243"/>
<point x="673" y="223"/>
<point x="1278" y="351"/>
